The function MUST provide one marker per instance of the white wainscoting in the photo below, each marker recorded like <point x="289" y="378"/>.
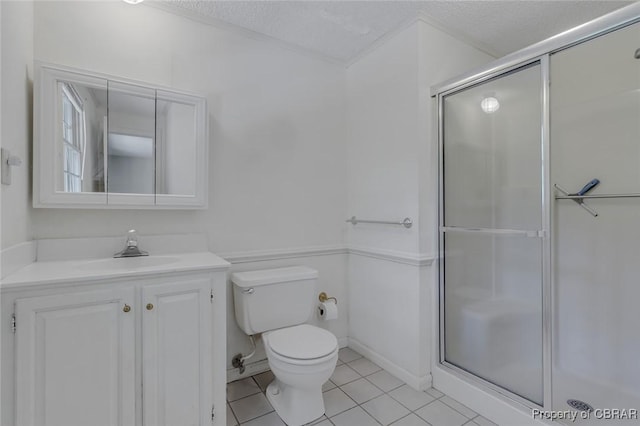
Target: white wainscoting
<point x="329" y="260"/>
<point x="390" y="296"/>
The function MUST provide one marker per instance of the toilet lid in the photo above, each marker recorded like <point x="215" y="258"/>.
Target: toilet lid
<point x="302" y="342"/>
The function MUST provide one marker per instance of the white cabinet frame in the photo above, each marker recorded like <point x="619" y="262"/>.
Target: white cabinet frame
<point x="194" y="302"/>
<point x="47" y="160"/>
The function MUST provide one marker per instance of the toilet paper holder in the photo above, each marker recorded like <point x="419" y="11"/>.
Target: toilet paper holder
<point x="322" y="297"/>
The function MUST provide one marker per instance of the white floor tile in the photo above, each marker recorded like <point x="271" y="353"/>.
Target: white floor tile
<point x="241" y="388"/>
<point x="385" y="381"/>
<point x="354" y="417"/>
<point x="361" y="390"/>
<point x="328" y="385"/>
<point x="440" y="414"/>
<point x="250" y="407"/>
<point x="271" y="419"/>
<point x="324" y="423"/>
<point x="483" y="422"/>
<point x="336" y="401"/>
<point x="411" y="398"/>
<point x="263" y="379"/>
<point x="410" y="420"/>
<point x="318" y="421"/>
<point x="359" y="393"/>
<point x="385" y="409"/>
<point x="344" y="374"/>
<point x="364" y="367"/>
<point x="231" y="419"/>
<point x="434" y="393"/>
<point x="348" y="355"/>
<point x="462" y="409"/>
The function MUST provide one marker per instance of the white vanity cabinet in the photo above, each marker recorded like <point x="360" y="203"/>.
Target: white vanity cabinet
<point x="75" y="359"/>
<point x="176" y="353"/>
<point x="128" y="351"/>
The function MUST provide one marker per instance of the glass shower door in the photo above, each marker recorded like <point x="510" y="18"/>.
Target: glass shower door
<point x="491" y="231"/>
<point x="595" y="133"/>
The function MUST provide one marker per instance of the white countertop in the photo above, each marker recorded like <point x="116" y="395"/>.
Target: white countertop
<point x="86" y="270"/>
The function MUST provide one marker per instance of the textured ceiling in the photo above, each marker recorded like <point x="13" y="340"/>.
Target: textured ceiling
<point x="343" y="29"/>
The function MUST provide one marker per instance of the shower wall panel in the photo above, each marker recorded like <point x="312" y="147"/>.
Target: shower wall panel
<point x="595" y="133"/>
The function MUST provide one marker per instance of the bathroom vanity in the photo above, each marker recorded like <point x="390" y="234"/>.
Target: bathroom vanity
<point x="133" y="341"/>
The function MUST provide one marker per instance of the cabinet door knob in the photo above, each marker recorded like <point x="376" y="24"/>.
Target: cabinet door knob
<point x="126" y="308"/>
<point x="149" y="306"/>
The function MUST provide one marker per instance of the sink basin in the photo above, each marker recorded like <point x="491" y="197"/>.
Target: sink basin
<point x="128" y="263"/>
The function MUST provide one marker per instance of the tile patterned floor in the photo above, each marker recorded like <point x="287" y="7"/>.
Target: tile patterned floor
<point x="359" y="393"/>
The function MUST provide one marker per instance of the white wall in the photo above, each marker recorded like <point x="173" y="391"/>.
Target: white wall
<point x="17" y="71"/>
<point x="392" y="174"/>
<point x="278" y="167"/>
<point x="277" y="163"/>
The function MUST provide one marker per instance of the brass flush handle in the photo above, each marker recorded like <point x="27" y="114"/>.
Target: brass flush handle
<point x="149" y="306"/>
<point x="126" y="308"/>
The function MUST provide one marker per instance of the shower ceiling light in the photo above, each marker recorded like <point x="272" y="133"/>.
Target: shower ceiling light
<point x="133" y="1"/>
<point x="490" y="105"/>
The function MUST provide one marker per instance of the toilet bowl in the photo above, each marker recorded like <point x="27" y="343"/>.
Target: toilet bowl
<point x="302" y="358"/>
<point x="278" y="303"/>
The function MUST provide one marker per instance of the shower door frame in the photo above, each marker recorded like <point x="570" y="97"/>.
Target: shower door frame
<point x="543" y="62"/>
<point x="537" y="53"/>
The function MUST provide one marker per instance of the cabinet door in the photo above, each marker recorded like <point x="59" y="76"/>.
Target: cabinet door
<point x="176" y="350"/>
<point x="75" y="359"/>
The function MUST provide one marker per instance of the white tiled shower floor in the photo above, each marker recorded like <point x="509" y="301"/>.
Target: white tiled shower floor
<point x="359" y="393"/>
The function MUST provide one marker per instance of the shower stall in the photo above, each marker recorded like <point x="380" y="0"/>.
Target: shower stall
<point x="540" y="222"/>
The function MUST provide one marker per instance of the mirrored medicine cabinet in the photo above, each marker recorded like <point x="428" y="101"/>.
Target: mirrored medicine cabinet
<point x="107" y="142"/>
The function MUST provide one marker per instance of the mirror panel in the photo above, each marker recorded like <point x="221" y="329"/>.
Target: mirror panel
<point x="103" y="142"/>
<point x="80" y="135"/>
<point x="131" y="139"/>
<point x="175" y="124"/>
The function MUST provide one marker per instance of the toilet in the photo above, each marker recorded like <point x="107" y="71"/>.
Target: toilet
<point x="302" y="357"/>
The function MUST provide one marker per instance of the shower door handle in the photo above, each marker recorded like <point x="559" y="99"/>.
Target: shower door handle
<point x="537" y="233"/>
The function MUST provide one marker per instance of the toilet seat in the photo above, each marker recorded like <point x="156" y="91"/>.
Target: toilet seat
<point x="302" y="343"/>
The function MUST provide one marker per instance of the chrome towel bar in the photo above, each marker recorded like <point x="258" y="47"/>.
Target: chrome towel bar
<point x="406" y="222"/>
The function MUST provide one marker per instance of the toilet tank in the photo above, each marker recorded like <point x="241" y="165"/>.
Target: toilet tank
<point x="269" y="299"/>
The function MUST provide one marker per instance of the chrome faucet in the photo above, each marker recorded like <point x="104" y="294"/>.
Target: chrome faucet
<point x="131" y="248"/>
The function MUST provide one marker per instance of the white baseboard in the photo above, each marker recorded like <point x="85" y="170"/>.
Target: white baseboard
<point x="249" y="370"/>
<point x="416" y="382"/>
<point x="343" y="342"/>
<point x="262" y="365"/>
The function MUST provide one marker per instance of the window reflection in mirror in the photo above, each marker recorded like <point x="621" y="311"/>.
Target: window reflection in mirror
<point x="83" y="109"/>
<point x="131" y="139"/>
